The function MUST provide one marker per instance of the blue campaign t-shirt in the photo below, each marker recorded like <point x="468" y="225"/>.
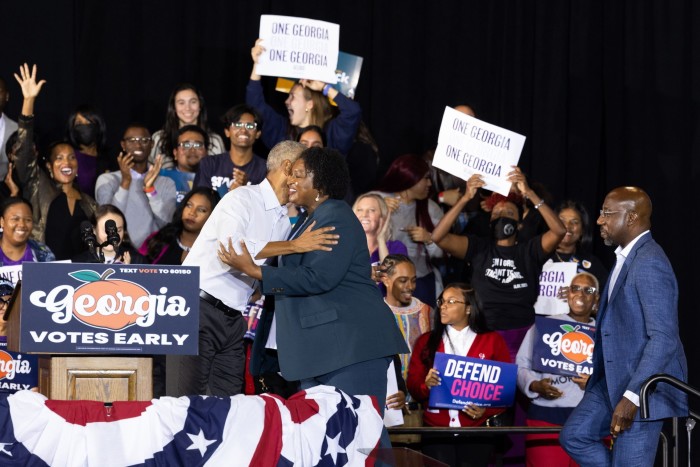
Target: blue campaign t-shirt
<point x="217" y="171"/>
<point x="183" y="181"/>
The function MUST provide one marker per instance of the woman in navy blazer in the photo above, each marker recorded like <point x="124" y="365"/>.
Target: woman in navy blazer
<point x="332" y="326"/>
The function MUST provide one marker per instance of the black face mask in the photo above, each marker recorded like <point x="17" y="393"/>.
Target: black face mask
<point x="85" y="134"/>
<point x="503" y="227"/>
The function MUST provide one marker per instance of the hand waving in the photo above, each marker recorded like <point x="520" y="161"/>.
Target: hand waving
<point x="27" y="81"/>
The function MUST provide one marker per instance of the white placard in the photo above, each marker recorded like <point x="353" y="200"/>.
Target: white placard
<point x="392" y="417"/>
<point x="468" y="145"/>
<point x="299" y="48"/>
<point x="553" y="277"/>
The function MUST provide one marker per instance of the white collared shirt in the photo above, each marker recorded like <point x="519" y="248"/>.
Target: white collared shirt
<point x="2" y="127"/>
<point x="251" y="213"/>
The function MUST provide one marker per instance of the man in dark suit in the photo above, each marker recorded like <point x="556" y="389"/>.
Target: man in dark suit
<point x="637" y="337"/>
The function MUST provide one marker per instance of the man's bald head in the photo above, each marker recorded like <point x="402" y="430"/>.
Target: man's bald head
<point x="626" y="214"/>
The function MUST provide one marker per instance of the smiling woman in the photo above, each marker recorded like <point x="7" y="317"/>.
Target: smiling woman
<point x="59" y="205"/>
<point x="15" y="244"/>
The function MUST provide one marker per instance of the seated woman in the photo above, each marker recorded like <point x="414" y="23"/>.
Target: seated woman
<point x="459" y="329"/>
<point x="553" y="397"/>
<point x="185" y="107"/>
<point x="375" y="218"/>
<point x="15" y="245"/>
<point x="575" y="247"/>
<point x="59" y="205"/>
<point x="405" y="187"/>
<point x="307" y="104"/>
<point x="111" y="250"/>
<point x="171" y="244"/>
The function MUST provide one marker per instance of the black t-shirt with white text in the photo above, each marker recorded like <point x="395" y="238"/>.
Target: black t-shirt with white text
<point x="506" y="279"/>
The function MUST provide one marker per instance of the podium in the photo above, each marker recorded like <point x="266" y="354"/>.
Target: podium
<point x="84" y="377"/>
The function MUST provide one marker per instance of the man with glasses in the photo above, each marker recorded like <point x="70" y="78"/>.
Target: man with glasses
<point x="192" y="144"/>
<point x="146" y="199"/>
<point x="636" y="337"/>
<point x="240" y="166"/>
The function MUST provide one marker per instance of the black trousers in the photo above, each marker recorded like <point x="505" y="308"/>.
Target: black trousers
<point x="220" y="365"/>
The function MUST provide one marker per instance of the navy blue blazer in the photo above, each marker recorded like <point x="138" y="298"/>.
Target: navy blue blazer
<point x="329" y="313"/>
<point x="637" y="331"/>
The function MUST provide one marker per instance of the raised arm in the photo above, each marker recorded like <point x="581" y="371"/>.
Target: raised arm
<point x="25" y="155"/>
<point x="255" y="53"/>
<point x="30" y="88"/>
<point x="552" y="237"/>
<point x="456" y="245"/>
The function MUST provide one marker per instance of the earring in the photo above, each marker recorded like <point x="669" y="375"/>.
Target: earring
<point x="307" y="109"/>
<point x="318" y="196"/>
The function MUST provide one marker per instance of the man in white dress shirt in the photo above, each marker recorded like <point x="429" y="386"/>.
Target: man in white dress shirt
<point x="258" y="215"/>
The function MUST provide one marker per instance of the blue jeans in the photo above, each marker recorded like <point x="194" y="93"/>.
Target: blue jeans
<point x="590" y="422"/>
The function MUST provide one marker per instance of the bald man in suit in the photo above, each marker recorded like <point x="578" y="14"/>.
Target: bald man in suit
<point x="637" y="337"/>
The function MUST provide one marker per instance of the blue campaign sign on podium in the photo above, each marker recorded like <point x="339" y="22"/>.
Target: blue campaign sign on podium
<point x="464" y="380"/>
<point x="117" y="308"/>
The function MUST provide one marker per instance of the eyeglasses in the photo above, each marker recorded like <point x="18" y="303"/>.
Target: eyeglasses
<point x="449" y="301"/>
<point x="607" y="214"/>
<point x="246" y="125"/>
<point x="586" y="289"/>
<point x="137" y="140"/>
<point x="4" y="302"/>
<point x="191" y="145"/>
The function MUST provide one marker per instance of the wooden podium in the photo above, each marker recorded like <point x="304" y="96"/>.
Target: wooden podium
<point x="81" y="377"/>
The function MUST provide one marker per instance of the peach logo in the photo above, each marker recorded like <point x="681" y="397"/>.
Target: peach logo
<point x="575" y="346"/>
<point x="103" y="303"/>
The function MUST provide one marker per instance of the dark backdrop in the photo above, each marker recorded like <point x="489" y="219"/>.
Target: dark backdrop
<point x="606" y="92"/>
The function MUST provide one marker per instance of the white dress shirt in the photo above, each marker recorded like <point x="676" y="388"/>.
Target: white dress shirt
<point x="251" y="213"/>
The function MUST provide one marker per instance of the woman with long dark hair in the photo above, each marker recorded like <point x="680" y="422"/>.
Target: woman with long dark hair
<point x="406" y="187"/>
<point x="186" y="106"/>
<point x="307" y="105"/>
<point x="59" y="204"/>
<point x="575" y="247"/>
<point x="120" y="252"/>
<point x="171" y="244"/>
<point x="459" y="329"/>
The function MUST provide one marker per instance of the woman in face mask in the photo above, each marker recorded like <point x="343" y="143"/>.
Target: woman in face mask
<point x="504" y="273"/>
<point x="86" y="131"/>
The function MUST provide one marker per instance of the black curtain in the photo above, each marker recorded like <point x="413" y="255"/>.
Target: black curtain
<point x="606" y="92"/>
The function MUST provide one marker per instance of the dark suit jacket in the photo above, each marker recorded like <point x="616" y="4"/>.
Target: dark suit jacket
<point x="637" y="331"/>
<point x="329" y="313"/>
